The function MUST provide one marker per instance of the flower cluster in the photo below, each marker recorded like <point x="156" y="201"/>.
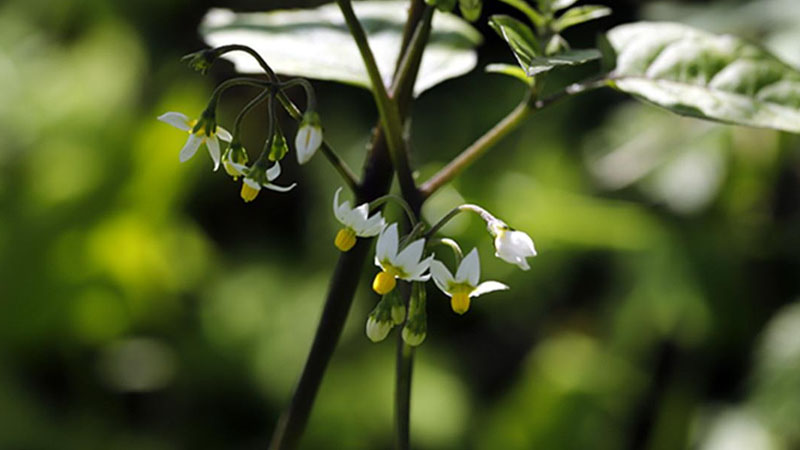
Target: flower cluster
<point x="405" y="259"/>
<point x="205" y="131"/>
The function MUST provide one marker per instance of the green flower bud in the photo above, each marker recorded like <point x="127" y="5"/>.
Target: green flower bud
<point x="200" y="61"/>
<point x="442" y="5"/>
<point x="470" y="9"/>
<point x="279" y="146"/>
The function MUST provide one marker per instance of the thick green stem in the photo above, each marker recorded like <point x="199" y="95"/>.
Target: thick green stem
<point x="387" y="109"/>
<point x="499" y="131"/>
<point x="402" y="395"/>
<point x="376" y="182"/>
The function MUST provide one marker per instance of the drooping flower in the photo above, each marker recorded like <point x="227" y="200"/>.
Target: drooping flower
<point x="309" y="137"/>
<point x="511" y="245"/>
<point x="257" y="177"/>
<point x="356" y="222"/>
<point x="464" y="285"/>
<point x="202" y="131"/>
<point x="405" y="264"/>
<point x="234" y="160"/>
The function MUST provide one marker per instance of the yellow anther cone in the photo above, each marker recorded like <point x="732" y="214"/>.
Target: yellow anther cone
<point x="345" y="239"/>
<point x="460" y="302"/>
<point x="383" y="283"/>
<point x="248" y="192"/>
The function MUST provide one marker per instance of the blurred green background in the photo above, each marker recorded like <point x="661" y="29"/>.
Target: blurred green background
<point x="145" y="306"/>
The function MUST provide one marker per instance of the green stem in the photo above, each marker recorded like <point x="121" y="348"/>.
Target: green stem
<point x="336" y="161"/>
<point x="447" y="242"/>
<point x="509" y="123"/>
<point x="376" y="182"/>
<point x="402" y="393"/>
<point x="387" y="109"/>
<point x="399" y="200"/>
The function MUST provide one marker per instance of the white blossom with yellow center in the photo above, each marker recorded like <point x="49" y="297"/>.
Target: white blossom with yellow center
<point x="256" y="178"/>
<point x="201" y="136"/>
<point x="464" y="285"/>
<point x="405" y="265"/>
<point x="510" y="245"/>
<point x="356" y="222"/>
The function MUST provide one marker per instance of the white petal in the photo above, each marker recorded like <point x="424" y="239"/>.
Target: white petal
<point x="409" y="257"/>
<point x="387" y="243"/>
<point x="470" y="269"/>
<point x="241" y="168"/>
<point x="441" y="276"/>
<point x="213" y="149"/>
<point x="190" y="148"/>
<point x="357" y="217"/>
<point x="373" y="230"/>
<point x="274" y="171"/>
<point x="305" y="143"/>
<point x="522" y="242"/>
<point x="488" y="286"/>
<point x="177" y="120"/>
<point x="224" y="134"/>
<point x="336" y="210"/>
<point x="275" y="187"/>
<point x="419" y="269"/>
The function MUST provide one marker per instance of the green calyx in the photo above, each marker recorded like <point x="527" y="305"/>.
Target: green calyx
<point x="279" y="147"/>
<point x="201" y="61"/>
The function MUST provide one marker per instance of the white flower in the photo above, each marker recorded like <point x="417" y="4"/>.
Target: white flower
<point x="309" y="137"/>
<point x="257" y="178"/>
<point x="203" y="135"/>
<point x="356" y="222"/>
<point x="510" y="245"/>
<point x="405" y="265"/>
<point x="465" y="284"/>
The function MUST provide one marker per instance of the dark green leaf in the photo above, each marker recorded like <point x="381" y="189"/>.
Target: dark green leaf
<point x="519" y="37"/>
<point x="579" y="15"/>
<point x="525" y="8"/>
<point x="568" y="58"/>
<point x="316" y="43"/>
<point x="695" y="73"/>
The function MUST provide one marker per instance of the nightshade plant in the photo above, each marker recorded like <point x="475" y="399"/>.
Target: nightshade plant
<point x="683" y="70"/>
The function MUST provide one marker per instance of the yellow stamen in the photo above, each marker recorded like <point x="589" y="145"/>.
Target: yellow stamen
<point x="248" y="192"/>
<point x="345" y="239"/>
<point x="383" y="283"/>
<point x="460" y="301"/>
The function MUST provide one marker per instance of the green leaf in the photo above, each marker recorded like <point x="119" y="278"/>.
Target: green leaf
<point x="316" y="43"/>
<point x="512" y="71"/>
<point x="579" y="15"/>
<point x="519" y="37"/>
<point x="568" y="58"/>
<point x="522" y="6"/>
<point x="694" y="73"/>
<point x="558" y="5"/>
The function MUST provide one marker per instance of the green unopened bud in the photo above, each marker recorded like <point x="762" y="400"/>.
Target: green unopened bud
<point x="379" y="325"/>
<point x="442" y="5"/>
<point x="415" y="330"/>
<point x="470" y="9"/>
<point x="201" y="61"/>
<point x="279" y="146"/>
<point x="394" y="302"/>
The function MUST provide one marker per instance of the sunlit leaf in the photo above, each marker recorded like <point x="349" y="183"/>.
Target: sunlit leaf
<point x="316" y="43"/>
<point x="519" y="37"/>
<point x="695" y="73"/>
<point x="512" y="71"/>
<point x="579" y="15"/>
<point x="558" y="5"/>
<point x="568" y="58"/>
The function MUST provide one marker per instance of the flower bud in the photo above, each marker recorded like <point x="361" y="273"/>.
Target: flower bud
<point x="235" y="160"/>
<point x="415" y="330"/>
<point x="377" y="329"/>
<point x="200" y="61"/>
<point x="279" y="147"/>
<point x="309" y="137"/>
<point x="511" y="245"/>
<point x="470" y="9"/>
